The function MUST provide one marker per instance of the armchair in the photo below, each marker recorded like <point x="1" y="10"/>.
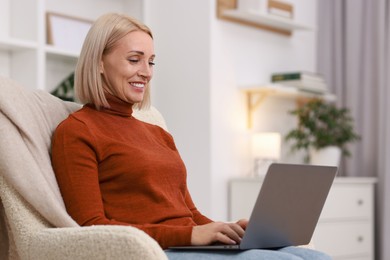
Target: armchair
<point x="33" y="220"/>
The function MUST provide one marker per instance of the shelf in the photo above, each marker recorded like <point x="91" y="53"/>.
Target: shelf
<point x="10" y="44"/>
<point x="257" y="94"/>
<point x="275" y="22"/>
<point x="227" y="10"/>
<point x="61" y="53"/>
<point x="285" y="91"/>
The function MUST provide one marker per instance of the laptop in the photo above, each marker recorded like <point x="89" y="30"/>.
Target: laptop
<point x="287" y="208"/>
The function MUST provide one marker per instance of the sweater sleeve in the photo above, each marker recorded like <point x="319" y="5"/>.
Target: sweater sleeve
<point x="75" y="163"/>
<point x="196" y="215"/>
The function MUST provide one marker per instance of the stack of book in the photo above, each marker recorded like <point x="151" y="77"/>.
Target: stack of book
<point x="305" y="81"/>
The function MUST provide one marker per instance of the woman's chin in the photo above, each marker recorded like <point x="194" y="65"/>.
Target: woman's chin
<point x="133" y="101"/>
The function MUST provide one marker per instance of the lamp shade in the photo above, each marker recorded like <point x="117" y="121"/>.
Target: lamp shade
<point x="266" y="145"/>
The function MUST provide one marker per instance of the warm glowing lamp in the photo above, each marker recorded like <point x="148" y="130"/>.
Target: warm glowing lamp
<point x="265" y="150"/>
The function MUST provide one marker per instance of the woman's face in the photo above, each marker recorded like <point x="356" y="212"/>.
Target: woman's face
<point x="128" y="67"/>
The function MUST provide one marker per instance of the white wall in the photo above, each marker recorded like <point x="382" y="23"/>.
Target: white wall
<point x="181" y="84"/>
<point x="201" y="63"/>
<point x="246" y="56"/>
<point x="133" y="8"/>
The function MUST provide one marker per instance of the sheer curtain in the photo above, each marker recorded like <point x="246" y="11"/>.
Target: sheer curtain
<point x="353" y="55"/>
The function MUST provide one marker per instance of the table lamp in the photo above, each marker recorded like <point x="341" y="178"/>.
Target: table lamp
<point x="265" y="150"/>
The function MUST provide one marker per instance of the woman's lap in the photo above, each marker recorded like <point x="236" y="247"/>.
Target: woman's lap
<point x="305" y="253"/>
<point x="290" y="253"/>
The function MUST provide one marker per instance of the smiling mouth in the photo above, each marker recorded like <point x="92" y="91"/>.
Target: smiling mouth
<point x="138" y="85"/>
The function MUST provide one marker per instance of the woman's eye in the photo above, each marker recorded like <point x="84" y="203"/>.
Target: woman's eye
<point x="151" y="63"/>
<point x="133" y="60"/>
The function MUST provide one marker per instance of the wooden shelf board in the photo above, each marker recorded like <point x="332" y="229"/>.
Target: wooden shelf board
<point x="285" y="91"/>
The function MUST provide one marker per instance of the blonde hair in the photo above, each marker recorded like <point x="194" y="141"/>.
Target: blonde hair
<point x="106" y="31"/>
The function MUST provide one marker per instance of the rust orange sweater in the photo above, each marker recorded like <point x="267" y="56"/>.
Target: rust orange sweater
<point x="113" y="169"/>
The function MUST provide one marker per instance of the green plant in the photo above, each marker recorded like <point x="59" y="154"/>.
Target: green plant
<point x="65" y="90"/>
<point x="322" y="124"/>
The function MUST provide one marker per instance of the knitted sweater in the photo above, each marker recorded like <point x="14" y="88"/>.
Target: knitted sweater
<point x="113" y="169"/>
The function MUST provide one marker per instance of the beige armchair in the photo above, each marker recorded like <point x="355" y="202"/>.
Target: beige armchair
<point x="33" y="220"/>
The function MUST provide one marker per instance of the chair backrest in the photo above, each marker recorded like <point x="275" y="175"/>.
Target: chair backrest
<point x="27" y="121"/>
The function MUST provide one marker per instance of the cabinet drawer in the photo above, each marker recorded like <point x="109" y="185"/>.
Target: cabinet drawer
<point x="349" y="201"/>
<point x="344" y="238"/>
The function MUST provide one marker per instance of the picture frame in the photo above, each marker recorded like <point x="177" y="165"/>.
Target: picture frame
<point x="66" y="32"/>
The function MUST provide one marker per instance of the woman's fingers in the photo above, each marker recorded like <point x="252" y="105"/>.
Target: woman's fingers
<point x="232" y="230"/>
<point x="223" y="238"/>
<point x="238" y="229"/>
<point x="227" y="233"/>
<point x="243" y="223"/>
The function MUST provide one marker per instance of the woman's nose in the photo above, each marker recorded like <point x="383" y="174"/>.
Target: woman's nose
<point x="145" y="70"/>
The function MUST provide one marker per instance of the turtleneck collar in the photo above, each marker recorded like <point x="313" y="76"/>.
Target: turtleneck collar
<point x="118" y="106"/>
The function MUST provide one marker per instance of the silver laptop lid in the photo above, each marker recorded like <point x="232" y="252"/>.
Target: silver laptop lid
<point x="288" y="206"/>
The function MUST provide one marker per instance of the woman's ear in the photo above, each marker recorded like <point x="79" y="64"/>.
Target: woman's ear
<point x="101" y="67"/>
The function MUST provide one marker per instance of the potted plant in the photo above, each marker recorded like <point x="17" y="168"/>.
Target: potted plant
<point x="322" y="125"/>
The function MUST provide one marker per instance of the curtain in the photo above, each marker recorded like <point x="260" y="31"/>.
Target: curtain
<point x="354" y="58"/>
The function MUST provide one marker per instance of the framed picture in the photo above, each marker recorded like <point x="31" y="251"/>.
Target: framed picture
<point x="66" y="32"/>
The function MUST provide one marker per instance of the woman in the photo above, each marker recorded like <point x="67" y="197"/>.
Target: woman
<point x="113" y="169"/>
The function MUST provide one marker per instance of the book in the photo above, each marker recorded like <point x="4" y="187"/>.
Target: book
<point x="275" y="77"/>
<point x="305" y="81"/>
<point x="317" y="87"/>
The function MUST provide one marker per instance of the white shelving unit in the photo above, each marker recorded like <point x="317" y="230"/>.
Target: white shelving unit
<point x="24" y="54"/>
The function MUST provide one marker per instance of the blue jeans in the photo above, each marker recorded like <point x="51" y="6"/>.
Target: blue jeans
<point x="287" y="253"/>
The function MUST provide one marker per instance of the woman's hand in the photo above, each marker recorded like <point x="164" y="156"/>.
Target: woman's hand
<point x="243" y="223"/>
<point x="226" y="233"/>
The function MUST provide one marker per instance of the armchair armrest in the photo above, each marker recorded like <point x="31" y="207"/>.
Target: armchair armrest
<point x="95" y="242"/>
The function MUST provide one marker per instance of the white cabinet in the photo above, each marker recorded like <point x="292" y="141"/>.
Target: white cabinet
<point x="346" y="226"/>
<point x="24" y="54"/>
